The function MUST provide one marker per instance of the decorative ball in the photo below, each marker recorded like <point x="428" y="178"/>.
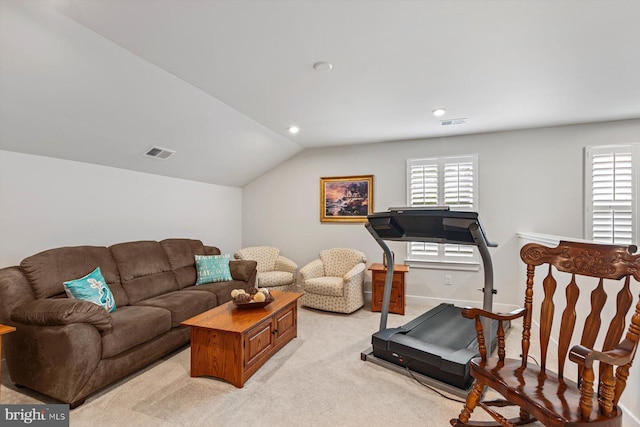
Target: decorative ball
<point x="259" y="297"/>
<point x="242" y="298"/>
<point x="235" y="293"/>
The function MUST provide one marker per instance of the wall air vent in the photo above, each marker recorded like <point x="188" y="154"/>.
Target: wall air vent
<point x="452" y="122"/>
<point x="159" y="153"/>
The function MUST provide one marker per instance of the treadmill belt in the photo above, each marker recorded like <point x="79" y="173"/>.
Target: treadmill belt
<point x="448" y="329"/>
<point x="440" y="344"/>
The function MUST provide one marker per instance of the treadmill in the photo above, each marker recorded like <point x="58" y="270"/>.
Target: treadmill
<point x="438" y="345"/>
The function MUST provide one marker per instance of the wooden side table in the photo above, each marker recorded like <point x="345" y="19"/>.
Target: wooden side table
<point x="4" y="329"/>
<point x="378" y="275"/>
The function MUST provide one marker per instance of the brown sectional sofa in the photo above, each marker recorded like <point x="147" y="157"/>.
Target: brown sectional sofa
<point x="68" y="349"/>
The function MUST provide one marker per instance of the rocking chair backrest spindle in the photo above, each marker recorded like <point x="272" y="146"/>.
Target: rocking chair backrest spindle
<point x="613" y="268"/>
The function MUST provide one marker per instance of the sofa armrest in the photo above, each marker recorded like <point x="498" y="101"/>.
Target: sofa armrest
<point x="15" y="290"/>
<point x="55" y="360"/>
<point x="211" y="250"/>
<point x="63" y="311"/>
<point x="242" y="269"/>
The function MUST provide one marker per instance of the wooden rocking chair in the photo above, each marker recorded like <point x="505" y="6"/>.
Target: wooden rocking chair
<point x="546" y="396"/>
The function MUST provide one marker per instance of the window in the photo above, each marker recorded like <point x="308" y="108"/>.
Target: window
<point x="611" y="194"/>
<point x="451" y="181"/>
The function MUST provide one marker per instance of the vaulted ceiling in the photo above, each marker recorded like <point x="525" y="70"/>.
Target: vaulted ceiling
<point x="221" y="82"/>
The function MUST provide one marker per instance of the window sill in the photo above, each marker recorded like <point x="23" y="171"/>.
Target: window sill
<point x="443" y="265"/>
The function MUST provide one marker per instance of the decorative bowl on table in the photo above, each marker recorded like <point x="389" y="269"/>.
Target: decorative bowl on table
<point x="253" y="298"/>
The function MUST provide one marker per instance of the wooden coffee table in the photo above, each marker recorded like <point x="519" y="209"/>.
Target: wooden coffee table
<point x="232" y="343"/>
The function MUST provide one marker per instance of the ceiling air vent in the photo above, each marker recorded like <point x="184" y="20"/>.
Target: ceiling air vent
<point x="452" y="122"/>
<point x="159" y="153"/>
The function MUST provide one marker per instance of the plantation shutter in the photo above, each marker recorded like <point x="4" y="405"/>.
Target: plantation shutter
<point x="423" y="191"/>
<point x="611" y="202"/>
<point x="459" y="192"/>
<point x="447" y="181"/>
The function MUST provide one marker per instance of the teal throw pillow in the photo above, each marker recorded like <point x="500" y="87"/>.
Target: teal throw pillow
<point x="93" y="288"/>
<point x="212" y="268"/>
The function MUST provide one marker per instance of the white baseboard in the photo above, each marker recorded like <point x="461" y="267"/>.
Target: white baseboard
<point x="431" y="301"/>
<point x="629" y="419"/>
<point x="497" y="307"/>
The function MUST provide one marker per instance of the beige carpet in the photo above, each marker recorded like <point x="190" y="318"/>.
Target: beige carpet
<point x="318" y="379"/>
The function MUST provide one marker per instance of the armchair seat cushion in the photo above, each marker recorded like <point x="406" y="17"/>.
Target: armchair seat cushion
<point x="330" y="286"/>
<point x="268" y="279"/>
<point x="132" y="326"/>
<point x="182" y="304"/>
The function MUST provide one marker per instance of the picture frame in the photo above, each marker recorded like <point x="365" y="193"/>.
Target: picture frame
<point x="346" y="198"/>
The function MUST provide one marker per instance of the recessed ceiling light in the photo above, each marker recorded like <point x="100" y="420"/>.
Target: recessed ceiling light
<point x="322" y="66"/>
<point x="439" y="112"/>
<point x="294" y="129"/>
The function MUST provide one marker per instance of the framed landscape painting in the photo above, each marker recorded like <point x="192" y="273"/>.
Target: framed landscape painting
<point x="346" y="198"/>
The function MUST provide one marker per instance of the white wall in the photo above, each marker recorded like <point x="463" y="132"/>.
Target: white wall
<point x="47" y="203"/>
<point x="529" y="180"/>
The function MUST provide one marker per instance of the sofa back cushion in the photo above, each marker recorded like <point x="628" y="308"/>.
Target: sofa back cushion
<point x="144" y="269"/>
<point x="48" y="270"/>
<point x="181" y="254"/>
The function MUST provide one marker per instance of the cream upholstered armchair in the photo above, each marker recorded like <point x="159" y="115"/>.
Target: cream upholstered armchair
<point x="274" y="271"/>
<point x="335" y="281"/>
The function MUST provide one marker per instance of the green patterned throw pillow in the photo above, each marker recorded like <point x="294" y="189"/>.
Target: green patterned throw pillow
<point x="92" y="288"/>
<point x="212" y="268"/>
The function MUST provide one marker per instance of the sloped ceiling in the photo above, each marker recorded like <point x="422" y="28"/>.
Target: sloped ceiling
<point x="220" y="82"/>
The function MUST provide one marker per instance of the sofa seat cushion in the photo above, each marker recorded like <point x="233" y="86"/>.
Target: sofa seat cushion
<point x="132" y="326"/>
<point x="331" y="286"/>
<point x="182" y="304"/>
<point x="222" y="290"/>
<point x="274" y="278"/>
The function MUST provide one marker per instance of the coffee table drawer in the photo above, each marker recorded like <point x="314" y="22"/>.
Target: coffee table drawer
<point x="258" y="341"/>
<point x="286" y="323"/>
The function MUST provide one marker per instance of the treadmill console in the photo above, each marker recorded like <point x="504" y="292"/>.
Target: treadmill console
<point x="437" y="225"/>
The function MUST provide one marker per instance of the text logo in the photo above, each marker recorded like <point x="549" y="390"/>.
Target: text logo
<point x="34" y="415"/>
